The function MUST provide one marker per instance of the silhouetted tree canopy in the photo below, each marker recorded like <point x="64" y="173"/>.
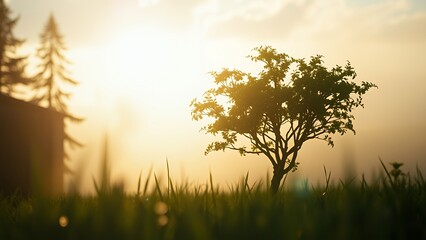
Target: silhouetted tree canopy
<point x="52" y="75"/>
<point x="12" y="66"/>
<point x="288" y="103"/>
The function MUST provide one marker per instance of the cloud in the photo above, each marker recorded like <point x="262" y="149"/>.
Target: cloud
<point x="317" y="19"/>
<point x="227" y="15"/>
<point x="99" y="19"/>
<point x="79" y="21"/>
<point x="171" y="14"/>
<point x="406" y="30"/>
<point x="249" y="26"/>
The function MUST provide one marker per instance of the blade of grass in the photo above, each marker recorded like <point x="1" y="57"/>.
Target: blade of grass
<point x="246" y="186"/>
<point x="139" y="185"/>
<point x="168" y="178"/>
<point x="282" y="185"/>
<point x="170" y="186"/>
<point x="364" y="185"/>
<point x="327" y="179"/>
<point x="145" y="189"/>
<point x="157" y="185"/>
<point x="172" y="190"/>
<point x="387" y="172"/>
<point x="98" y="192"/>
<point x="268" y="180"/>
<point x="419" y="178"/>
<point x="212" y="190"/>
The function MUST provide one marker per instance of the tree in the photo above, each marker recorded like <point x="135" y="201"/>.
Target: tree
<point x="12" y="67"/>
<point x="290" y="102"/>
<point x="52" y="74"/>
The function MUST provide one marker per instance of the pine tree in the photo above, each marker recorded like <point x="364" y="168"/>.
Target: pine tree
<point x="52" y="75"/>
<point x="12" y="66"/>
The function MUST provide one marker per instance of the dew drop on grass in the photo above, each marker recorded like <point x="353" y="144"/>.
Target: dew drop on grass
<point x="163" y="220"/>
<point x="161" y="208"/>
<point x="63" y="221"/>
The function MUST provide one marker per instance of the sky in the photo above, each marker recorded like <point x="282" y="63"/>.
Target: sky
<point x="141" y="62"/>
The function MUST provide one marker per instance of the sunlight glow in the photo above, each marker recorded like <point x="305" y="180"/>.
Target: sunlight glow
<point x="149" y="78"/>
<point x="145" y="67"/>
<point x="141" y="62"/>
<point x="146" y="3"/>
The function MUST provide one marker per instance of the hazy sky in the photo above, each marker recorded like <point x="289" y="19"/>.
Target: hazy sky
<point x="141" y="62"/>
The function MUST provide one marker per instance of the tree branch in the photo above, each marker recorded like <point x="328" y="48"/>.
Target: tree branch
<point x="265" y="150"/>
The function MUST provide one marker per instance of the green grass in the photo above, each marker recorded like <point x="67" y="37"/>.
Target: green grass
<point x="392" y="207"/>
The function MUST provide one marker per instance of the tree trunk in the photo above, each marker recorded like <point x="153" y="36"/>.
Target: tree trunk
<point x="276" y="178"/>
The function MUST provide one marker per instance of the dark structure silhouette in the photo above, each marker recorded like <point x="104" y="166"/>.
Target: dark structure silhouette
<point x="31" y="148"/>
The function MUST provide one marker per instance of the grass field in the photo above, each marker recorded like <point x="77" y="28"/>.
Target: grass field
<point x="392" y="207"/>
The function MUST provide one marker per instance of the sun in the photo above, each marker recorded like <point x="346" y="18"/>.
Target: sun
<point x="155" y="72"/>
<point x="134" y="61"/>
<point x="144" y="79"/>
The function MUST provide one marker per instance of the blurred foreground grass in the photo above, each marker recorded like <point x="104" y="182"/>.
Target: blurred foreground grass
<point x="392" y="207"/>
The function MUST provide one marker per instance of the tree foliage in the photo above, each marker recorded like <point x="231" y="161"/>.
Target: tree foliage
<point x="290" y="102"/>
<point x="12" y="66"/>
<point x="53" y="75"/>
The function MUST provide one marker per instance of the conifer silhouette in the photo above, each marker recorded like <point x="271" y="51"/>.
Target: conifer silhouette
<point x="53" y="75"/>
<point x="12" y="66"/>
